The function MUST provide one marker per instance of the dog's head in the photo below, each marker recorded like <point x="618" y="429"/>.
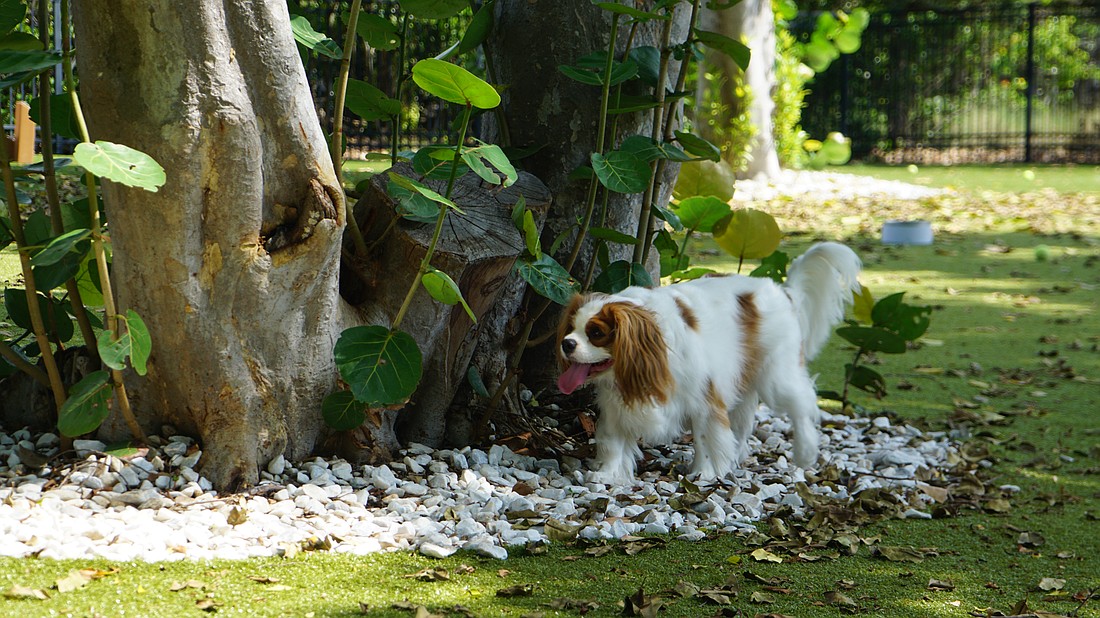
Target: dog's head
<point x="600" y="337"/>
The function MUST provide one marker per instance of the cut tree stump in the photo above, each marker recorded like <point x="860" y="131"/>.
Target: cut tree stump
<point x="477" y="249"/>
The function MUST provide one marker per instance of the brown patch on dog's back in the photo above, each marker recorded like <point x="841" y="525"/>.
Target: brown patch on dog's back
<point x="717" y="405"/>
<point x="748" y="319"/>
<point x="687" y="314"/>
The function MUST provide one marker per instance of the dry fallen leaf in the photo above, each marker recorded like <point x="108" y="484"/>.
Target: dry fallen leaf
<point x="940" y="585"/>
<point x="23" y="592"/>
<point x="1047" y="584"/>
<point x="763" y="555"/>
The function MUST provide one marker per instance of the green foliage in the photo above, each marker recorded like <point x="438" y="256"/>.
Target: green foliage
<point x="893" y="325"/>
<point x="87" y="406"/>
<point x="121" y="164"/>
<point x="791" y="76"/>
<point x="382" y="367"/>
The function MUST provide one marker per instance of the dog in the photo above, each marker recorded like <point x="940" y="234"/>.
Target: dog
<point x="701" y="355"/>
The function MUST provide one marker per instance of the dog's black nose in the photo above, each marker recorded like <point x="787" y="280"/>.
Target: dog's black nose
<point x="568" y="345"/>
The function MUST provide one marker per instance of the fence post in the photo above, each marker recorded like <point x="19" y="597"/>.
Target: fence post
<point x="1030" y="80"/>
<point x="24" y="133"/>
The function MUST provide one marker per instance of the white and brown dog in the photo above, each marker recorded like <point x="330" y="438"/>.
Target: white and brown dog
<point x="700" y="355"/>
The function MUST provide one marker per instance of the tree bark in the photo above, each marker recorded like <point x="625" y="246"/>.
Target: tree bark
<point x="753" y="22"/>
<point x="233" y="264"/>
<point x="547" y="110"/>
<point x="477" y="249"/>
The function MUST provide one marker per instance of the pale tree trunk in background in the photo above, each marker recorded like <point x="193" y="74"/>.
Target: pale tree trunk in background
<point x="214" y="90"/>
<point x="752" y="22"/>
<point x="545" y="108"/>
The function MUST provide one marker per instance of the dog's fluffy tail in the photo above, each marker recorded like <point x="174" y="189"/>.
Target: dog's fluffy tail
<point x="821" y="283"/>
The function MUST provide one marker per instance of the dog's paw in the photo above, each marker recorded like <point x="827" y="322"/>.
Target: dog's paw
<point x="609" y="477"/>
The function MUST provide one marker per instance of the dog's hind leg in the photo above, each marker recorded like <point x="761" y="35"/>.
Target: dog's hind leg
<point x="742" y="419"/>
<point x="795" y="396"/>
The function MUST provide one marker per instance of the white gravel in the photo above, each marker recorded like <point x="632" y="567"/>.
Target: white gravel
<point x="154" y="506"/>
<point x="828" y="186"/>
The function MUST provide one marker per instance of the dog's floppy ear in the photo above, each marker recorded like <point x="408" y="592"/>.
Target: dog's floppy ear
<point x="641" y="356"/>
<point x="565" y="326"/>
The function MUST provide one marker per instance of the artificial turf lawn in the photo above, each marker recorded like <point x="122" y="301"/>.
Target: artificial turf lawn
<point x="1033" y="329"/>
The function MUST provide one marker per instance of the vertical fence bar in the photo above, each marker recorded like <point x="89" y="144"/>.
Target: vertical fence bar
<point x="1030" y="80"/>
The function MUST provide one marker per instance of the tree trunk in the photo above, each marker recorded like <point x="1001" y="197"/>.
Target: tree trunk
<point x="548" y="110"/>
<point x="233" y="264"/>
<point x="753" y="22"/>
<point x="477" y="249"/>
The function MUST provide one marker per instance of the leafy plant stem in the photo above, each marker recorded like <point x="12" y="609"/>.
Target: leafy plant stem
<point x="645" y="214"/>
<point x="49" y="179"/>
<point x="600" y="138"/>
<point x="681" y="78"/>
<point x="426" y="262"/>
<point x="337" y="140"/>
<point x="396" y="145"/>
<point x="22" y="365"/>
<point x="39" y="326"/>
<point x="97" y="240"/>
<point x="848" y="377"/>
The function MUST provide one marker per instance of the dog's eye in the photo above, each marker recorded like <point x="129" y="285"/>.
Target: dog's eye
<point x="596" y="333"/>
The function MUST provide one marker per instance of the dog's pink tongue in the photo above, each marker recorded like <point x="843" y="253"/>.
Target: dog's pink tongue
<point x="572" y="378"/>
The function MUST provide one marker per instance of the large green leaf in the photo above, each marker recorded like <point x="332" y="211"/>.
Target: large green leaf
<point x="593" y="75"/>
<point x="748" y="234"/>
<point x="531" y="235"/>
<point x="610" y="235"/>
<point x="413" y="206"/>
<point x="637" y="14"/>
<point x="699" y="146"/>
<point x="87" y="406"/>
<point x="455" y="84"/>
<point x="369" y="103"/>
<point x="7" y="235"/>
<point x="773" y="267"/>
<point x="701" y="212"/>
<point x="622" y="172"/>
<point x="412" y="185"/>
<point x="23" y="41"/>
<point x="866" y="379"/>
<point x="312" y="40"/>
<point x="620" y="275"/>
<point x="648" y="59"/>
<point x="62" y="120"/>
<point x="908" y="321"/>
<point x="381" y="366"/>
<point x="26" y="61"/>
<point x="873" y="338"/>
<point x="548" y="278"/>
<point x="56" y="320"/>
<point x="479" y="28"/>
<point x="444" y="289"/>
<point x="836" y="149"/>
<point x="12" y="13"/>
<point x="59" y="247"/>
<point x="434" y="9"/>
<point x="120" y="164"/>
<point x="342" y="411"/>
<point x="736" y="50"/>
<point x="434" y="163"/>
<point x="141" y="343"/>
<point x="55" y="275"/>
<point x="134" y="344"/>
<point x="378" y="32"/>
<point x="479" y="156"/>
<point x="671" y="258"/>
<point x="704" y="178"/>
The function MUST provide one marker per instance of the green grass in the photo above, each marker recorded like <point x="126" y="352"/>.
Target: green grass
<point x="1033" y="327"/>
<point x="1007" y="178"/>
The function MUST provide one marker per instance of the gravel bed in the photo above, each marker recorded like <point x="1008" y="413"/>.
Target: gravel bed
<point x="152" y="505"/>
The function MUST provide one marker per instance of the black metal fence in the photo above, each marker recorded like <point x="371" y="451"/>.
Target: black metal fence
<point x="994" y="83"/>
